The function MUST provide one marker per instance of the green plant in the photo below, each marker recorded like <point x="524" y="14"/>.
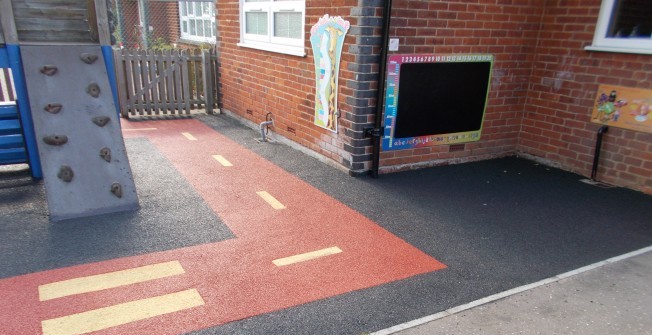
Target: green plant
<point x="159" y="44"/>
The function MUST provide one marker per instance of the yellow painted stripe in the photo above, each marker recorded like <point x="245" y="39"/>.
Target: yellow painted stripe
<point x="222" y="160"/>
<point x="307" y="256"/>
<point x="116" y="315"/>
<point x="270" y="200"/>
<point x="137" y="129"/>
<point x="189" y="136"/>
<point x="109" y="280"/>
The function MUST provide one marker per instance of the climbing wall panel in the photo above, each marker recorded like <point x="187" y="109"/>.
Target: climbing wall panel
<point x="85" y="165"/>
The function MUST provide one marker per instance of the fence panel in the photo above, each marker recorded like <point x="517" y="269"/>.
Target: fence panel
<point x="168" y="82"/>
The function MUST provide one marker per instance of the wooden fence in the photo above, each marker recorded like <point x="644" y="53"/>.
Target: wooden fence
<point x="167" y="82"/>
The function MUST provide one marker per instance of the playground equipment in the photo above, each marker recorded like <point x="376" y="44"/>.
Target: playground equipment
<point x="65" y="88"/>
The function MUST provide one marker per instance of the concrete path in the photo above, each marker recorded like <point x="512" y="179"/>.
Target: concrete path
<point x="615" y="298"/>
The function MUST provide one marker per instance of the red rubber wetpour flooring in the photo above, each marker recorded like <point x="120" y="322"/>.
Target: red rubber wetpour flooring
<point x="235" y="278"/>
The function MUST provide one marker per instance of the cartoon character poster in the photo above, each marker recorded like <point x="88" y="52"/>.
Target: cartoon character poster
<point x="327" y="38"/>
<point x="623" y="107"/>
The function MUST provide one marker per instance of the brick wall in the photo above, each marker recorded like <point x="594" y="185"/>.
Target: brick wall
<point x="563" y="86"/>
<point x="506" y="29"/>
<point x="255" y="82"/>
<point x="540" y="96"/>
<point x="164" y="18"/>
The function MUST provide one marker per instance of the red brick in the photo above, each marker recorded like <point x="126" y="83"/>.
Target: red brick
<point x="541" y="96"/>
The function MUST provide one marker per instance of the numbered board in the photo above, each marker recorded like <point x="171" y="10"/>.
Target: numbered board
<point x="435" y="99"/>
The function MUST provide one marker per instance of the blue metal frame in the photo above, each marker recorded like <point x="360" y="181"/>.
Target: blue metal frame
<point x="13" y="60"/>
<point x="107" y="52"/>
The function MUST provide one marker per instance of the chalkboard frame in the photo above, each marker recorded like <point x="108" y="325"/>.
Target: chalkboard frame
<point x="392" y="94"/>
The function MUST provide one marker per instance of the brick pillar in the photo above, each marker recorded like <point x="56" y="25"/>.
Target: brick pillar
<point x="364" y="68"/>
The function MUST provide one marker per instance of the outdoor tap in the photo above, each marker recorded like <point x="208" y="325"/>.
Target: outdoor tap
<point x="264" y="127"/>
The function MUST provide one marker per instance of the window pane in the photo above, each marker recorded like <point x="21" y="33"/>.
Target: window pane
<point x="184" y="26"/>
<point x="193" y="31"/>
<point x="200" y="28"/>
<point x="631" y="18"/>
<point x="207" y="28"/>
<point x="197" y="8"/>
<point x="287" y="24"/>
<point x="184" y="11"/>
<point x="189" y="5"/>
<point x="206" y="9"/>
<point x="256" y="23"/>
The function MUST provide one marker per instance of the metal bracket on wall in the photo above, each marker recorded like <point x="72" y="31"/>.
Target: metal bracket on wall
<point x="372" y="132"/>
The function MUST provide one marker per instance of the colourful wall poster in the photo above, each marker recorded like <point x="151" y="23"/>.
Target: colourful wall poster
<point x="623" y="107"/>
<point x="442" y="99"/>
<point x="327" y="38"/>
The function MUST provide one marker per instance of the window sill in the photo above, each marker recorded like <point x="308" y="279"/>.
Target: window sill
<point x="194" y="42"/>
<point x="618" y="49"/>
<point x="294" y="51"/>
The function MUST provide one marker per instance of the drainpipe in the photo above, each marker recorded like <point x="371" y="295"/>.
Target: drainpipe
<point x="376" y="131"/>
<point x="596" y="155"/>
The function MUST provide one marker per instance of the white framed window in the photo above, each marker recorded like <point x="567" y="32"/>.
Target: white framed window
<point x="273" y="25"/>
<point x="197" y="21"/>
<point x="624" y="26"/>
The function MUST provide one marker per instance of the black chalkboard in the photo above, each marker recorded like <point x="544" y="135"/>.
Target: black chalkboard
<point x="441" y="98"/>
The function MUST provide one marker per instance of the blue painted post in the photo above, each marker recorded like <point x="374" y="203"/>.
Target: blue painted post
<point x="13" y="53"/>
<point x="107" y="52"/>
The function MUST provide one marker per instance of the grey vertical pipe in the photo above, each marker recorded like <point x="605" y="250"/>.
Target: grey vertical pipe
<point x="144" y="23"/>
<point x="380" y="97"/>
<point x="119" y="17"/>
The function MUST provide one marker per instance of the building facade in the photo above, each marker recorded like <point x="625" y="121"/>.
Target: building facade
<point x="545" y="76"/>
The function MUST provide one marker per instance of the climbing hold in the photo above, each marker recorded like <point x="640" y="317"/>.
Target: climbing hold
<point x="105" y="153"/>
<point x="93" y="89"/>
<point x="65" y="173"/>
<point x="55" y="139"/>
<point x="116" y="189"/>
<point x="49" y="70"/>
<point x="88" y="58"/>
<point x="53" y="108"/>
<point x="101" y="120"/>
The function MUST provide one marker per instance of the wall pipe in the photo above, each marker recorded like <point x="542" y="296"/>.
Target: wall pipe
<point x="375" y="133"/>
<point x="596" y="154"/>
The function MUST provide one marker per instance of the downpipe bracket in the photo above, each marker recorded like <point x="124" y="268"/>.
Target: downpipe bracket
<point x="372" y="132"/>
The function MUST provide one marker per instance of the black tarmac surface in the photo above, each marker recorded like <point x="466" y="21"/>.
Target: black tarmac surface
<point x="172" y="215"/>
<point x="496" y="224"/>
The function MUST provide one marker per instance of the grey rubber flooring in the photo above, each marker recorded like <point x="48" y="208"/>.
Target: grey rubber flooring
<point x="496" y="224"/>
<point x="171" y="216"/>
